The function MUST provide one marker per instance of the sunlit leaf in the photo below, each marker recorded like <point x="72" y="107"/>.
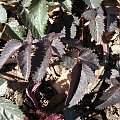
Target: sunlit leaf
<point x="97" y="25"/>
<point x="87" y="76"/>
<point x="67" y="4"/>
<point x="75" y="78"/>
<point x="95" y="3"/>
<point x="25" y="17"/>
<point x="3" y="86"/>
<point x="3" y="14"/>
<point x="26" y="3"/>
<point x="14" y="30"/>
<point x="38" y="15"/>
<point x="9" y="111"/>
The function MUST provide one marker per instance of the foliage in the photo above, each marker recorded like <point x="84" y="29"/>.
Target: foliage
<point x="9" y="111"/>
<point x="111" y="96"/>
<point x="3" y="17"/>
<point x="56" y="46"/>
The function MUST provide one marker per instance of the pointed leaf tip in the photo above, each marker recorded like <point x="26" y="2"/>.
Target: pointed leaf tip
<point x="87" y="76"/>
<point x="24" y="60"/>
<point x="10" y="47"/>
<point x="89" y="58"/>
<point x="3" y="14"/>
<point x="24" y="56"/>
<point x="29" y="36"/>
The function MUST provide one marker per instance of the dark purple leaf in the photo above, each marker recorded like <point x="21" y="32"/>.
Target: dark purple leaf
<point x="58" y="46"/>
<point x="24" y="57"/>
<point x="110" y="97"/>
<point x="40" y="53"/>
<point x="112" y="81"/>
<point x="89" y="58"/>
<point x="87" y="76"/>
<point x="97" y="25"/>
<point x="10" y="47"/>
<point x="113" y="78"/>
<point x="41" y="71"/>
<point x="42" y="56"/>
<point x="112" y="19"/>
<point x="74" y="43"/>
<point x="71" y="114"/>
<point x="52" y="36"/>
<point x="29" y="37"/>
<point x="75" y="78"/>
<point x="38" y="56"/>
<point x="112" y="26"/>
<point x="31" y="96"/>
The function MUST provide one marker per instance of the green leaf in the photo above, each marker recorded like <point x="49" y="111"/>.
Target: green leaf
<point x="3" y="87"/>
<point x="67" y="4"/>
<point x="25" y="17"/>
<point x="26" y="3"/>
<point x="14" y="30"/>
<point x="68" y="61"/>
<point x="39" y="15"/>
<point x="3" y="14"/>
<point x="9" y="111"/>
<point x="95" y="3"/>
<point x="87" y="2"/>
<point x="2" y="80"/>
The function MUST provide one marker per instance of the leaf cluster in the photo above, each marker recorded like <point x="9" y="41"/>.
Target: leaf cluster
<point x="60" y="33"/>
